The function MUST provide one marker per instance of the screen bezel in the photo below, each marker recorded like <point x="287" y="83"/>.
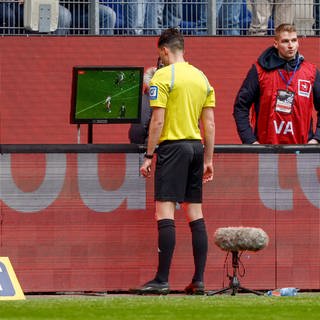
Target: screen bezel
<point x="75" y="120"/>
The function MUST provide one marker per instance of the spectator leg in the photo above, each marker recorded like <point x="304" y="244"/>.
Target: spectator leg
<point x="136" y="16"/>
<point x="7" y="18"/>
<point x="154" y="17"/>
<point x="261" y="11"/>
<point x="172" y="14"/>
<point x="317" y="16"/>
<point x="303" y="18"/>
<point x="284" y="12"/>
<point x="202" y="21"/>
<point x="64" y="21"/>
<point x="107" y="20"/>
<point x="230" y="17"/>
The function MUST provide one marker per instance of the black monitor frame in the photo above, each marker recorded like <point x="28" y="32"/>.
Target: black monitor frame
<point x="109" y="71"/>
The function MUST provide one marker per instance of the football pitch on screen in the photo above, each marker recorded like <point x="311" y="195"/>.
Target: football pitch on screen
<point x="172" y="307"/>
<point x="94" y="87"/>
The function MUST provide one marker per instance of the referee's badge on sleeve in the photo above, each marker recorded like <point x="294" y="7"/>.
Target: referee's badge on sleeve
<point x="153" y="92"/>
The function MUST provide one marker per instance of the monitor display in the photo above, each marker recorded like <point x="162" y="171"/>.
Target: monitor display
<point x="106" y="94"/>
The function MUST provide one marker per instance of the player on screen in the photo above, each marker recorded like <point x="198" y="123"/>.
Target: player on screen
<point x="108" y="104"/>
<point x="120" y="78"/>
<point x="122" y="112"/>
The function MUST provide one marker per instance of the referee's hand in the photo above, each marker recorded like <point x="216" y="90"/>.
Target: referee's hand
<point x="207" y="173"/>
<point x="145" y="169"/>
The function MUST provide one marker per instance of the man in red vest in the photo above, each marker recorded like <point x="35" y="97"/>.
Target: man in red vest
<point x="276" y="100"/>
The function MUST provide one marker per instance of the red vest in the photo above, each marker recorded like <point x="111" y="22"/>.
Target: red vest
<point x="277" y="123"/>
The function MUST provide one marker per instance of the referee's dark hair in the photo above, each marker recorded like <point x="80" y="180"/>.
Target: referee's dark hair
<point x="171" y="38"/>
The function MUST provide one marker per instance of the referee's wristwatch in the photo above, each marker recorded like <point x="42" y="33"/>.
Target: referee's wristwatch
<point x="148" y="156"/>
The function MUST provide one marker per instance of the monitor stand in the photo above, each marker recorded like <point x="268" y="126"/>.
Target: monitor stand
<point x="89" y="136"/>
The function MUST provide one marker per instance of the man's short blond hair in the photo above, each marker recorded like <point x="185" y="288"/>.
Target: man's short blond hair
<point x="284" y="27"/>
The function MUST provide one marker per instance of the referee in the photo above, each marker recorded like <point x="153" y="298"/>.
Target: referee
<point x="181" y="98"/>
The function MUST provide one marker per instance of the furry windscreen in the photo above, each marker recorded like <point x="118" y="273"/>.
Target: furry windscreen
<point x="241" y="239"/>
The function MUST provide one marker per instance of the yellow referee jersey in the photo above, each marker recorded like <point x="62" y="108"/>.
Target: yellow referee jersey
<point x="183" y="91"/>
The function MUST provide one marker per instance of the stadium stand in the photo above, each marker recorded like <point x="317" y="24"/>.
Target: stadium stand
<point x="198" y="17"/>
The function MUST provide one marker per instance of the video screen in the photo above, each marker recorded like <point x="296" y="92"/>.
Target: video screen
<point x="107" y="94"/>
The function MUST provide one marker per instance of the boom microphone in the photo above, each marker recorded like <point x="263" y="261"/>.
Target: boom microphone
<point x="241" y="239"/>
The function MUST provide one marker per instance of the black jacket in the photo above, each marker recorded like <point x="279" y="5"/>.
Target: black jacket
<point x="138" y="132"/>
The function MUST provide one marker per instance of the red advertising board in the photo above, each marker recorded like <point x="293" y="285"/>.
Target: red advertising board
<point x="85" y="222"/>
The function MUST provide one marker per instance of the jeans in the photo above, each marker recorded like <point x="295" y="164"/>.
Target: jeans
<point x="64" y="21"/>
<point x="228" y="17"/>
<point x="317" y="16"/>
<point x="202" y="23"/>
<point x="136" y="10"/>
<point x="107" y="20"/>
<point x="11" y="15"/>
<point x="152" y="16"/>
<point x="80" y="21"/>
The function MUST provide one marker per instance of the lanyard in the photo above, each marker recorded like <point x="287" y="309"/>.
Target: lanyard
<point x="287" y="83"/>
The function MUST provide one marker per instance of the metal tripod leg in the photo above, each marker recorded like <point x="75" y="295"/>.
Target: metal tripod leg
<point x="234" y="290"/>
<point x="258" y="293"/>
<point x="234" y="284"/>
<point x="212" y="293"/>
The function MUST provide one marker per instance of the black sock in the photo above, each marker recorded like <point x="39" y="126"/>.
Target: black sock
<point x="200" y="247"/>
<point x="166" y="244"/>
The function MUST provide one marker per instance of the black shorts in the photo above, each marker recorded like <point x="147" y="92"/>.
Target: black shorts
<point x="179" y="171"/>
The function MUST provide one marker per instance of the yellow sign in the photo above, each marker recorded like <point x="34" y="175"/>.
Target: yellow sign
<point x="9" y="285"/>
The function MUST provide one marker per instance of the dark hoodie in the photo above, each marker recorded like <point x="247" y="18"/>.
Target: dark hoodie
<point x="249" y="93"/>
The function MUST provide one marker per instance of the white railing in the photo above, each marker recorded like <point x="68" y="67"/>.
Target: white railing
<point x="149" y="17"/>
